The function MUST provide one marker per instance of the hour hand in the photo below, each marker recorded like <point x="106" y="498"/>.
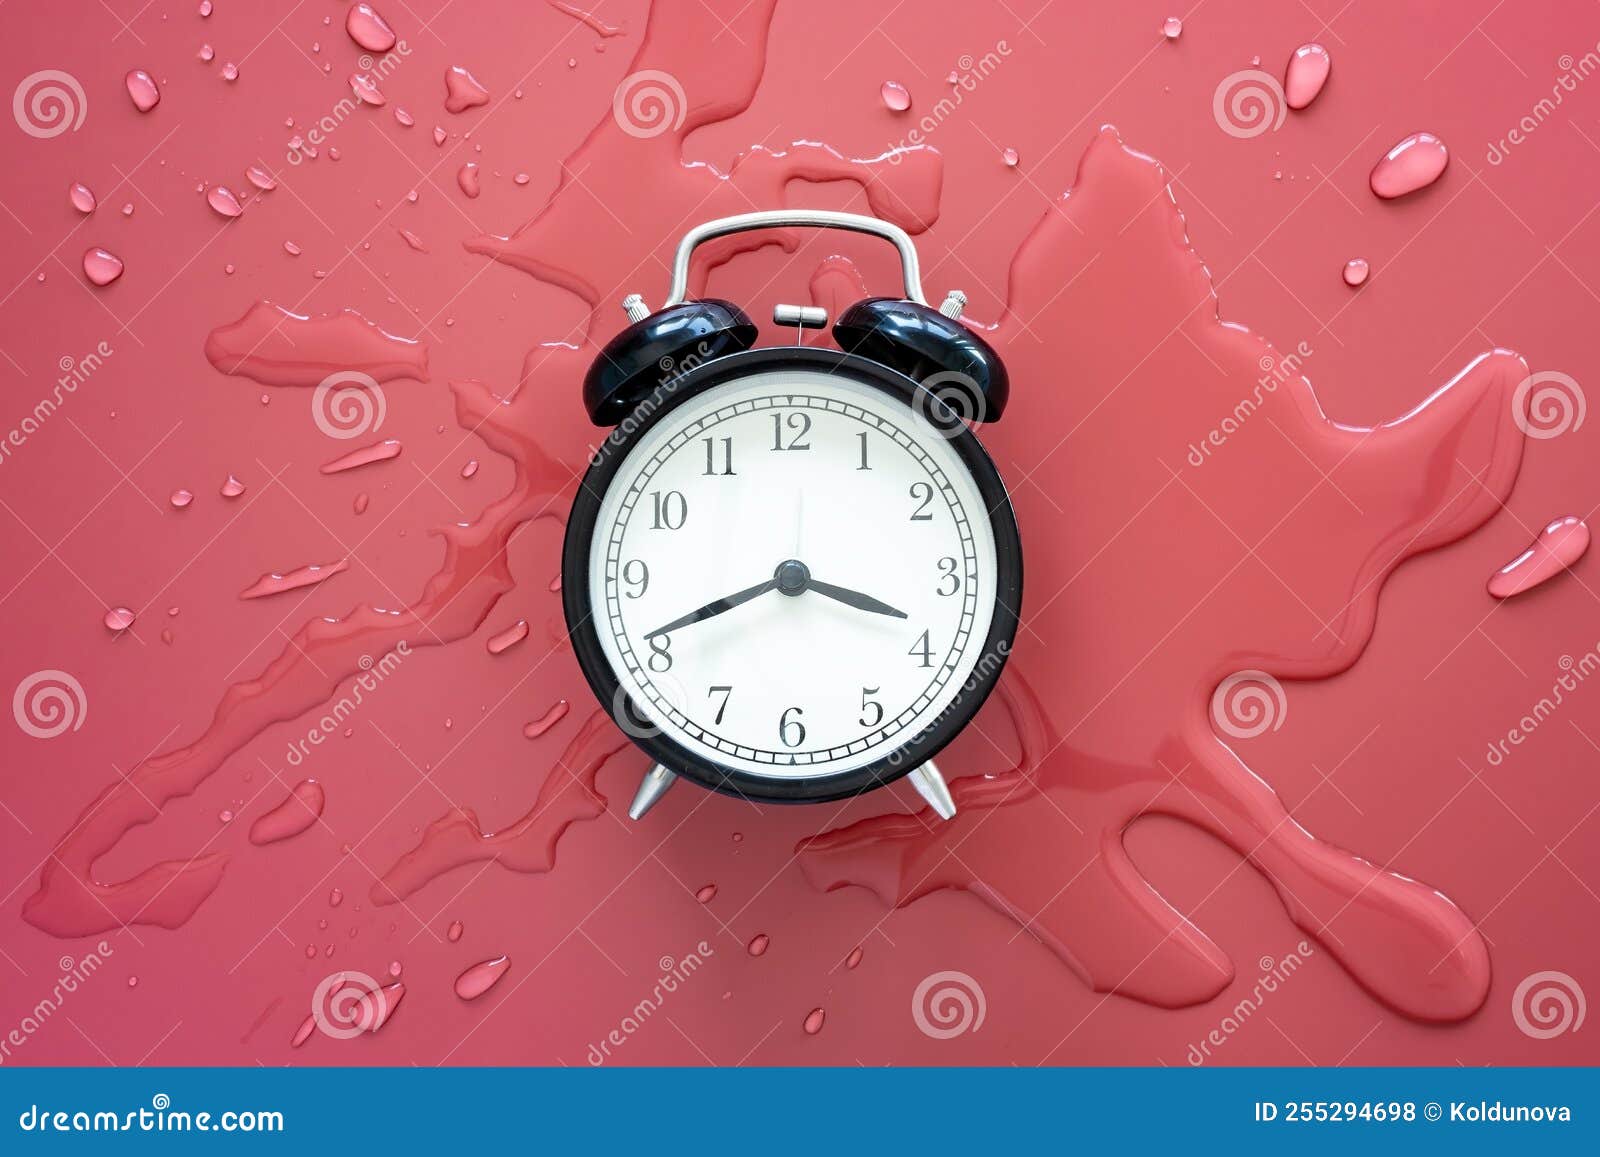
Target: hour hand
<point x="713" y="609"/>
<point x="855" y="599"/>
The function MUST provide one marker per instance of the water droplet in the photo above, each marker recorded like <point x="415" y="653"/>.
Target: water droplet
<point x="439" y="136"/>
<point x="230" y="72"/>
<point x="470" y="468"/>
<point x="855" y="956"/>
<point x="366" y="89"/>
<point x="101" y="266"/>
<point x="481" y="977"/>
<point x="403" y="118"/>
<point x="707" y="894"/>
<point x="508" y="638"/>
<point x="295" y="814"/>
<point x="119" y="619"/>
<point x="413" y="240"/>
<point x="1355" y="271"/>
<point x="814" y="1019"/>
<point x="1414" y="163"/>
<point x="1559" y="545"/>
<point x="207" y="53"/>
<point x="1307" y="73"/>
<point x="142" y="89"/>
<point x="368" y="29"/>
<point x="364" y="456"/>
<point x="231" y="487"/>
<point x="335" y="898"/>
<point x="205" y="8"/>
<point x="305" y="576"/>
<point x="307" y="1026"/>
<point x="462" y="90"/>
<point x="1010" y="157"/>
<point x="291" y="249"/>
<point x="360" y="503"/>
<point x="895" y="95"/>
<point x="260" y="178"/>
<point x="520" y="179"/>
<point x="225" y="816"/>
<point x="223" y="200"/>
<point x="181" y="498"/>
<point x="758" y="944"/>
<point x="133" y="982"/>
<point x="1172" y="28"/>
<point x="549" y="719"/>
<point x="82" y="198"/>
<point x="394" y="969"/>
<point x="455" y="930"/>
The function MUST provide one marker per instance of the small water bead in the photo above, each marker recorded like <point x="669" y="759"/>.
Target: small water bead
<point x="291" y="249"/>
<point x="1356" y="271"/>
<point x="231" y="487"/>
<point x="335" y="898"/>
<point x="205" y="8"/>
<point x="230" y="72"/>
<point x="1559" y="545"/>
<point x="481" y="977"/>
<point x="260" y="178"/>
<point x="142" y="90"/>
<point x="813" y="1021"/>
<point x="368" y="29"/>
<point x="1172" y="28"/>
<point x="1010" y="157"/>
<point x="521" y="178"/>
<point x="854" y="958"/>
<point x="127" y="209"/>
<point x="1414" y="163"/>
<point x="439" y="136"/>
<point x="366" y="90"/>
<point x="896" y="97"/>
<point x="225" y="816"/>
<point x="82" y="198"/>
<point x="405" y="119"/>
<point x="223" y="201"/>
<point x="470" y="468"/>
<point x="1307" y="73"/>
<point x="133" y="982"/>
<point x="119" y="619"/>
<point x="181" y="499"/>
<point x="545" y="722"/>
<point x="101" y="266"/>
<point x="707" y="894"/>
<point x="462" y="90"/>
<point x="758" y="944"/>
<point x="207" y="53"/>
<point x="455" y="930"/>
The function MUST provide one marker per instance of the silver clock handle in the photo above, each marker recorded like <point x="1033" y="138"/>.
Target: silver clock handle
<point x="781" y="218"/>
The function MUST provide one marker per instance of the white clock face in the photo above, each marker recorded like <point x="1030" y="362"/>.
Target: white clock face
<point x="792" y="574"/>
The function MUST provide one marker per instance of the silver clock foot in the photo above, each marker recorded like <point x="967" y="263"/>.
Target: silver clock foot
<point x="930" y="786"/>
<point x="651" y="788"/>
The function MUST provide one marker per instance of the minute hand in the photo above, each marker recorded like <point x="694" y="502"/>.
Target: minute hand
<point x="713" y="609"/>
<point x="854" y="599"/>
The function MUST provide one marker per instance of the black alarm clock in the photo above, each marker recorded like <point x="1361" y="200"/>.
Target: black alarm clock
<point x="793" y="574"/>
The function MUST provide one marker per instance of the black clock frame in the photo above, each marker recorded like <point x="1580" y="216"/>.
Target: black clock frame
<point x="608" y="461"/>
